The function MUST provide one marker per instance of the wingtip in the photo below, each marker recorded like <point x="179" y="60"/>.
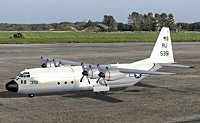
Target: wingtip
<point x="192" y="67"/>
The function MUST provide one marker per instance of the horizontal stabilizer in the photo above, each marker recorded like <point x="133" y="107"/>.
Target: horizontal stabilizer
<point x="175" y="65"/>
<point x="123" y="70"/>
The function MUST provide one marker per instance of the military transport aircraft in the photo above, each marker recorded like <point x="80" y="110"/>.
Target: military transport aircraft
<point x="61" y="75"/>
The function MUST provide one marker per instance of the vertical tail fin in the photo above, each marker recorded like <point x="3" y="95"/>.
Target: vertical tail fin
<point x="162" y="51"/>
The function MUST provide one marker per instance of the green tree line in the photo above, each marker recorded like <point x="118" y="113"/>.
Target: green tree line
<point x="136" y="22"/>
<point x="150" y="22"/>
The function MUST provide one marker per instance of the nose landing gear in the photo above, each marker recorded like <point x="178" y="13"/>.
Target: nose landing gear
<point x="31" y="95"/>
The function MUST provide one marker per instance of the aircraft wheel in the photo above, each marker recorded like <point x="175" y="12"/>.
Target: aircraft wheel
<point x="101" y="92"/>
<point x="97" y="93"/>
<point x="104" y="92"/>
<point x="31" y="95"/>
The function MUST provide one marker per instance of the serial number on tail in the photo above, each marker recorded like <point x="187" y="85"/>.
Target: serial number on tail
<point x="164" y="53"/>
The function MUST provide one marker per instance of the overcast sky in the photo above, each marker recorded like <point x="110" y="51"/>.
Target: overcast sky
<point x="48" y="11"/>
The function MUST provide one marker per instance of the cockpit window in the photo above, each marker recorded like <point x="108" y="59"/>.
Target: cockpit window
<point x="20" y="75"/>
<point x="25" y="75"/>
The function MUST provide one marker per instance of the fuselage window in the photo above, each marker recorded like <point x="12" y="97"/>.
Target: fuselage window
<point x="72" y="82"/>
<point x="23" y="81"/>
<point x="65" y="82"/>
<point x="33" y="82"/>
<point x="58" y="83"/>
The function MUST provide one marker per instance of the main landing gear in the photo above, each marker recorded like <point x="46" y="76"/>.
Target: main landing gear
<point x="101" y="92"/>
<point x="31" y="95"/>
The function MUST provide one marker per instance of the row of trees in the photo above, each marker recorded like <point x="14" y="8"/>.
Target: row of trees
<point x="136" y="22"/>
<point x="64" y="26"/>
<point x="188" y="27"/>
<point x="148" y="22"/>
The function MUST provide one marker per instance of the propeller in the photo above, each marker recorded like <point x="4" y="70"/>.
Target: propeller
<point x="54" y="62"/>
<point x="102" y="74"/>
<point x="59" y="63"/>
<point x="85" y="72"/>
<point x="44" y="63"/>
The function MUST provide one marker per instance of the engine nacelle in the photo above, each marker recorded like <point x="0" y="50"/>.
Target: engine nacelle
<point x="50" y="64"/>
<point x="114" y="75"/>
<point x="93" y="73"/>
<point x="109" y="75"/>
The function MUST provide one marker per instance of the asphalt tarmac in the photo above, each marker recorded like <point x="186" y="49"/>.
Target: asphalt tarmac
<point x="172" y="98"/>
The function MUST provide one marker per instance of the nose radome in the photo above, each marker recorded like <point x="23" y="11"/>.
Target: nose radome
<point x="12" y="86"/>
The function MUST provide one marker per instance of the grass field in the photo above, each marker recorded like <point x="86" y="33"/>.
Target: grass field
<point x="83" y="37"/>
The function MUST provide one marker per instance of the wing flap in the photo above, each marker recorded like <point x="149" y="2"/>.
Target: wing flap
<point x="72" y="63"/>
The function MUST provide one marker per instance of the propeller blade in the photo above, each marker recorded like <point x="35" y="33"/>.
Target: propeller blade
<point x="42" y="59"/>
<point x="98" y="80"/>
<point x="99" y="68"/>
<point x="106" y="68"/>
<point x="81" y="79"/>
<point x="88" y="79"/>
<point x="90" y="67"/>
<point x="46" y="61"/>
<point x="82" y="65"/>
<point x="54" y="63"/>
<point x="59" y="64"/>
<point x="105" y="81"/>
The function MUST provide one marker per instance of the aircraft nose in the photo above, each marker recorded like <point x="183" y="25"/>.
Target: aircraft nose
<point x="12" y="86"/>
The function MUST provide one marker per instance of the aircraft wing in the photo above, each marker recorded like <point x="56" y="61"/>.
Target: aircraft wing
<point x="64" y="62"/>
<point x="128" y="71"/>
<point x="122" y="70"/>
<point x="72" y="63"/>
